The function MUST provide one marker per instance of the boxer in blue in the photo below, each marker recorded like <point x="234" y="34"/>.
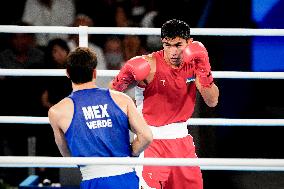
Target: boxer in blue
<point x="95" y="122"/>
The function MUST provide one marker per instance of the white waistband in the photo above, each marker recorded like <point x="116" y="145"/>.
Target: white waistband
<point x="170" y="131"/>
<point x="96" y="171"/>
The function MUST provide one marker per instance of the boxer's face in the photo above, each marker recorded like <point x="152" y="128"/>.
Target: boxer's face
<point x="173" y="49"/>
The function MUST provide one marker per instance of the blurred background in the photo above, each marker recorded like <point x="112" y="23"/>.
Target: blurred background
<point x="239" y="98"/>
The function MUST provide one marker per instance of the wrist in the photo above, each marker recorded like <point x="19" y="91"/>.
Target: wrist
<point x="205" y="80"/>
<point x="134" y="155"/>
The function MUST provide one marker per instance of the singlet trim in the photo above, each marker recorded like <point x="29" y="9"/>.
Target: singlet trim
<point x="115" y="104"/>
<point x="73" y="117"/>
<point x="155" y="54"/>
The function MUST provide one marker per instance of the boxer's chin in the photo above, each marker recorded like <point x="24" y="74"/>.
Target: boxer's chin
<point x="175" y="61"/>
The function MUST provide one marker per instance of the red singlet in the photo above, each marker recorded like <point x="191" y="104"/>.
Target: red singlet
<point x="168" y="98"/>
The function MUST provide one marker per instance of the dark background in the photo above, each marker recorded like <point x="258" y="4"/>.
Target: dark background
<point x="239" y="98"/>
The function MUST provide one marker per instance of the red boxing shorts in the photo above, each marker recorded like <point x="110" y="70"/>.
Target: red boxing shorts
<point x="172" y="177"/>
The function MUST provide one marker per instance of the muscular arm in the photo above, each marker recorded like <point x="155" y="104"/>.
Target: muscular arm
<point x="210" y="95"/>
<point x="54" y="114"/>
<point x="196" y="52"/>
<point x="138" y="126"/>
<point x="137" y="123"/>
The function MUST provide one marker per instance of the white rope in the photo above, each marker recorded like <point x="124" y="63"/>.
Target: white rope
<point x="242" y="168"/>
<point x="39" y="29"/>
<point x="32" y="72"/>
<point x="140" y="31"/>
<point x="236" y="32"/>
<point x="248" y="75"/>
<point x="24" y="120"/>
<point x="192" y="121"/>
<point x="205" y="163"/>
<point x="112" y="73"/>
<point x="48" y="72"/>
<point x="235" y="122"/>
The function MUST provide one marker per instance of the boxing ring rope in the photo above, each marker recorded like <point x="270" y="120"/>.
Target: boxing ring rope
<point x="233" y="164"/>
<point x="204" y="163"/>
<point x="83" y="31"/>
<point x="139" y="31"/>
<point x="191" y="121"/>
<point x="110" y="73"/>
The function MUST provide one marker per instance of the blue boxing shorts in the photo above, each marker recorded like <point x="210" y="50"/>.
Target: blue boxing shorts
<point x="124" y="181"/>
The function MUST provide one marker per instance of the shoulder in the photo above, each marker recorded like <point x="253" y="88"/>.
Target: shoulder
<point x="60" y="108"/>
<point x="120" y="96"/>
<point x="122" y="100"/>
<point x="198" y="43"/>
<point x="147" y="57"/>
<point x="150" y="58"/>
<point x="142" y="59"/>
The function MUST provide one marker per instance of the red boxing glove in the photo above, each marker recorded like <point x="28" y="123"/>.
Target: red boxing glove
<point x="196" y="53"/>
<point x="135" y="69"/>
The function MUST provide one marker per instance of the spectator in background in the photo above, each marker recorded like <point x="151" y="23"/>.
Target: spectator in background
<point x="113" y="53"/>
<point x="138" y="10"/>
<point x="20" y="96"/>
<point x="132" y="46"/>
<point x="56" y="88"/>
<point x="152" y="19"/>
<point x="21" y="54"/>
<point x="95" y="11"/>
<point x="120" y="16"/>
<point x="128" y="12"/>
<point x="49" y="13"/>
<point x="73" y="42"/>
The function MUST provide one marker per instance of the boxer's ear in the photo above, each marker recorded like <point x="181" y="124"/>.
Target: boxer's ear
<point x="94" y="73"/>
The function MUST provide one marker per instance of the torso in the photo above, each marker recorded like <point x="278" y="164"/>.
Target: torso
<point x="95" y="125"/>
<point x="165" y="97"/>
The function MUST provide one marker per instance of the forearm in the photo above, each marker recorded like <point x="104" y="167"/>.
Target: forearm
<point x="63" y="148"/>
<point x="64" y="151"/>
<point x="139" y="145"/>
<point x="210" y="94"/>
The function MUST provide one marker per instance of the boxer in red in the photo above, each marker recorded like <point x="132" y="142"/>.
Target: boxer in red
<point x="166" y="84"/>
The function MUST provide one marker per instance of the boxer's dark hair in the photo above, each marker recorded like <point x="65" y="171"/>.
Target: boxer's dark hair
<point x="80" y="65"/>
<point x="175" y="28"/>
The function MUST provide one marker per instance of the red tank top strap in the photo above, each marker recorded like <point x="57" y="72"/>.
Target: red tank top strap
<point x="159" y="56"/>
